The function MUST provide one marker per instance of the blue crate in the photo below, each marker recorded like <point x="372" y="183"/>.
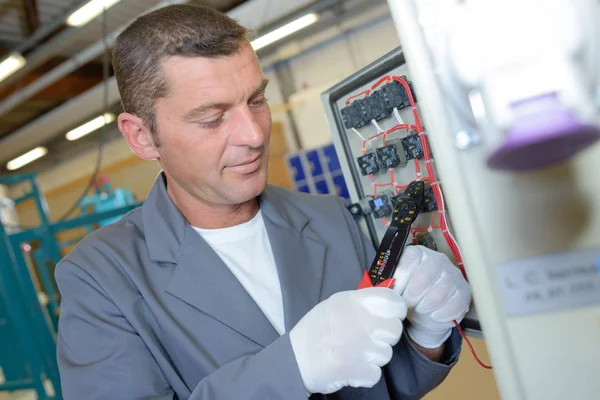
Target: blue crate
<point x="333" y="163"/>
<point x="340" y="186"/>
<point x="322" y="187"/>
<point x="303" y="188"/>
<point x="296" y="169"/>
<point x="316" y="169"/>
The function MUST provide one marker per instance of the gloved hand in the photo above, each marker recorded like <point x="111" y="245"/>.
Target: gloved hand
<point x="435" y="293"/>
<point x="346" y="339"/>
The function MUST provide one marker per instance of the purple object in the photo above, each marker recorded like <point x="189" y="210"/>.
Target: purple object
<point x="543" y="133"/>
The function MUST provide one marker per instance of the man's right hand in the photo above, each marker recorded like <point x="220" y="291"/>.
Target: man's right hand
<point x="346" y="339"/>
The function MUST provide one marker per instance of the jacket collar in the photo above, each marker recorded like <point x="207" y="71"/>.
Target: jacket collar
<point x="165" y="226"/>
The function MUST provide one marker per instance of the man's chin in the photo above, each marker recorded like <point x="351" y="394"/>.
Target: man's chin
<point x="250" y="189"/>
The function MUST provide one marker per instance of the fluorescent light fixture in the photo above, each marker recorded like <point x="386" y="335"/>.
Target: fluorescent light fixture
<point x="90" y="126"/>
<point x="10" y="64"/>
<point x="89" y="11"/>
<point x="285" y="30"/>
<point x="26" y="158"/>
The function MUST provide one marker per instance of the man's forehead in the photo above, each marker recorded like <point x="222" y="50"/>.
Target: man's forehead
<point x="241" y="69"/>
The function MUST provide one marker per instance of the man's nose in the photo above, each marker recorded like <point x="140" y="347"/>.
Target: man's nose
<point x="247" y="131"/>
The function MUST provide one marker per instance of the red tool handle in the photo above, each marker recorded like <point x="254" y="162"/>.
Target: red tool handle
<point x="366" y="282"/>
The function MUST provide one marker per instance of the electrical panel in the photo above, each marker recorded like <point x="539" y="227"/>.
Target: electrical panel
<point x="381" y="140"/>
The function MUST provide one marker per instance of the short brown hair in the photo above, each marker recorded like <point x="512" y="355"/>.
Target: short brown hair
<point x="176" y="30"/>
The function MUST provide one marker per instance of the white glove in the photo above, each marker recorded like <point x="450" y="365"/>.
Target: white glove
<point x="346" y="339"/>
<point x="435" y="293"/>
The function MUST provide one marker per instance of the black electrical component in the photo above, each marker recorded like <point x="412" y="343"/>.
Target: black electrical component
<point x="379" y="105"/>
<point x="429" y="202"/>
<point x="378" y="109"/>
<point x="412" y="147"/>
<point x="425" y="239"/>
<point x="363" y="207"/>
<point x="388" y="156"/>
<point x="368" y="164"/>
<point x="366" y="111"/>
<point x="381" y="206"/>
<point x="395" y="95"/>
<point x="355" y="209"/>
<point x="352" y="116"/>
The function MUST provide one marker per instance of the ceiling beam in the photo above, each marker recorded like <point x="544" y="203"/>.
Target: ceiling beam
<point x="32" y="18"/>
<point x="68" y="87"/>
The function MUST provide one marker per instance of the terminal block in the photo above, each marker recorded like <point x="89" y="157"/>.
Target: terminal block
<point x="381" y="206"/>
<point x="388" y="156"/>
<point x="377" y="106"/>
<point x="368" y="163"/>
<point x="412" y="146"/>
<point x="429" y="202"/>
<point x="352" y="116"/>
<point x="395" y="95"/>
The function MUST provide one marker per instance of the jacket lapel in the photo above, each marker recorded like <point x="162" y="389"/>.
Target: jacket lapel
<point x="203" y="281"/>
<point x="200" y="277"/>
<point x="299" y="255"/>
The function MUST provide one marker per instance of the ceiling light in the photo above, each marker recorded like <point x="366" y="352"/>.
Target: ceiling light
<point x="10" y="64"/>
<point x="89" y="11"/>
<point x="285" y="30"/>
<point x="26" y="158"/>
<point x="90" y="126"/>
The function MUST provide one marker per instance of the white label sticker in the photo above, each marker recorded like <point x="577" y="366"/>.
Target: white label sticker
<point x="550" y="282"/>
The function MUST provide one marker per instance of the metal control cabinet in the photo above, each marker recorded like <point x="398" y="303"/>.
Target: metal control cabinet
<point x="351" y="144"/>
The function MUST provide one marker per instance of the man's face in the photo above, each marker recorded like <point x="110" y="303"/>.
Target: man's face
<point x="214" y="127"/>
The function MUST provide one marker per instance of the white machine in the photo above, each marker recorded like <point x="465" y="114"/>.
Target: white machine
<point x="510" y="90"/>
<point x="509" y="96"/>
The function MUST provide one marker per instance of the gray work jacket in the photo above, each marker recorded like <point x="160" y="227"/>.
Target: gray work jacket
<point x="149" y="311"/>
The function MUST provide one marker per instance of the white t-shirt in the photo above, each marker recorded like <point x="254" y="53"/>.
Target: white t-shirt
<point x="246" y="251"/>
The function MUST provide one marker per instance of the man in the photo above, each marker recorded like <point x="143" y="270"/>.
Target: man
<point x="220" y="287"/>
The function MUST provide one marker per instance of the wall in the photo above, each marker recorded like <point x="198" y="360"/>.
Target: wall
<point x="324" y="59"/>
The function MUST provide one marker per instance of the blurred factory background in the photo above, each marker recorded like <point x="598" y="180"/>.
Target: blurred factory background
<point x="65" y="169"/>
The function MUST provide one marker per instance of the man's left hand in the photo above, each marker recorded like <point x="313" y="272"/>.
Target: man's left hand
<point x="435" y="293"/>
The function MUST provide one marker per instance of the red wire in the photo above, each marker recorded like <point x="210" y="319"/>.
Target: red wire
<point x="471" y="347"/>
<point x="379" y="82"/>
<point x="366" y="93"/>
<point x="438" y="196"/>
<point x="412" y="101"/>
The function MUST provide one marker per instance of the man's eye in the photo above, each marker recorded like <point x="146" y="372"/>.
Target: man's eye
<point x="259" y="102"/>
<point x="211" y="124"/>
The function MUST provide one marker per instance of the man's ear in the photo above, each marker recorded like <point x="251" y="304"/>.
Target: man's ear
<point x="138" y="136"/>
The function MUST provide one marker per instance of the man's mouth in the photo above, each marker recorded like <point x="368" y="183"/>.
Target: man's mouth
<point x="248" y="166"/>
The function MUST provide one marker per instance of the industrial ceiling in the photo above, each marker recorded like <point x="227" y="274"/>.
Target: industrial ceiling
<point x="37" y="30"/>
<point x="64" y="83"/>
